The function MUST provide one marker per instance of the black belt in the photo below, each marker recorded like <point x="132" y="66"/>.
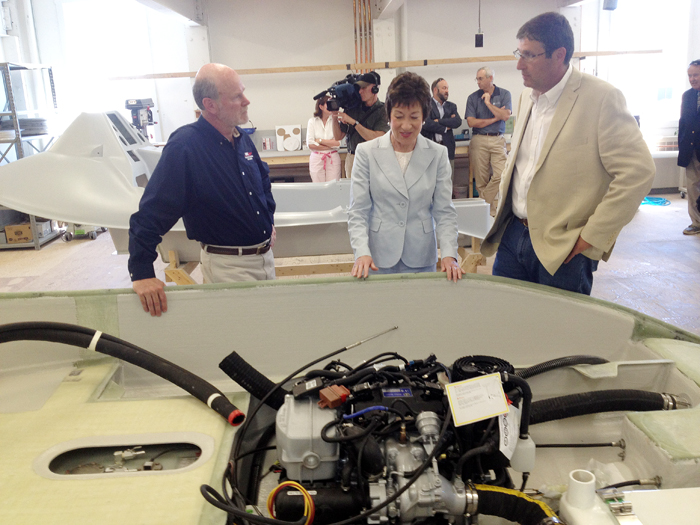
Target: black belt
<point x="522" y="221"/>
<point x="489" y="134"/>
<point x="236" y="251"/>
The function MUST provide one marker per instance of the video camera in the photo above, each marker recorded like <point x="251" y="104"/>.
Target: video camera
<point x="345" y="93"/>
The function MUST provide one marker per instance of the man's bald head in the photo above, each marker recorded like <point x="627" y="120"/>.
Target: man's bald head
<point x="209" y="81"/>
<point x="218" y="91"/>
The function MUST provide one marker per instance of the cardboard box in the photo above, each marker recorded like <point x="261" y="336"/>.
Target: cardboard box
<point x="19" y="233"/>
<point x="43" y="228"/>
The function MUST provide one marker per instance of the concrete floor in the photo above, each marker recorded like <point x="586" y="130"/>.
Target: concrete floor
<point x="654" y="269"/>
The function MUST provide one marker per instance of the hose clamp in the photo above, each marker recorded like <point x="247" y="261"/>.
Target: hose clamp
<point x="472" y="508"/>
<point x="675" y="402"/>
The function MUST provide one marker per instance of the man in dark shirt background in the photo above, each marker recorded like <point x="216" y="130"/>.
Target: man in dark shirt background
<point x="365" y="122"/>
<point x="689" y="145"/>
<point x="442" y="119"/>
<point x="488" y="108"/>
<point x="211" y="175"/>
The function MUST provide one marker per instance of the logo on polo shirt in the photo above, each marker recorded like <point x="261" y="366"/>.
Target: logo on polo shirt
<point x="248" y="155"/>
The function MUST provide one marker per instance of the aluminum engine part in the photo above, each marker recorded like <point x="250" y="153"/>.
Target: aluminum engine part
<point x="300" y="449"/>
<point x="431" y="493"/>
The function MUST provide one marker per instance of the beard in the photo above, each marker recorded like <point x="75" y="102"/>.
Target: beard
<point x="443" y="98"/>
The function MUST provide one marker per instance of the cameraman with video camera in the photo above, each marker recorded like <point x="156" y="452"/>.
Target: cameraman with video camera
<point x="366" y="122"/>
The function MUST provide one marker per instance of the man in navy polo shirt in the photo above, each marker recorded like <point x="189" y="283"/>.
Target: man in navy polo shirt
<point x="211" y="175"/>
<point x="488" y="108"/>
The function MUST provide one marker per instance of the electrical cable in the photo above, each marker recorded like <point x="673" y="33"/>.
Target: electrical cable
<point x="216" y="499"/>
<point x="309" y="506"/>
<point x="372" y="409"/>
<point x="655" y="481"/>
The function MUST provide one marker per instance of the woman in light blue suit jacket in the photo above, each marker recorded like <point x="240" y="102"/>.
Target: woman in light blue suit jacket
<point x="401" y="193"/>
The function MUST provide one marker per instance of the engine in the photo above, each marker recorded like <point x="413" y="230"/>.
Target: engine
<point x="379" y="437"/>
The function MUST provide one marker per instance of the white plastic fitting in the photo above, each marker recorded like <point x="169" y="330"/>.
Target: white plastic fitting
<point x="581" y="493"/>
<point x="580" y="505"/>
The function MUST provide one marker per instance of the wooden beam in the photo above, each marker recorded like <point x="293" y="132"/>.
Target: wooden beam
<point x="179" y="274"/>
<point x="313" y="269"/>
<point x="377" y="65"/>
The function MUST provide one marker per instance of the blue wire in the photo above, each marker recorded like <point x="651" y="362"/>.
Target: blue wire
<point x="364" y="411"/>
<point x="656" y="201"/>
<point x="447" y="371"/>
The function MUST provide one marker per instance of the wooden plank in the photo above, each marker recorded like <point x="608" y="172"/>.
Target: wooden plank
<point x="378" y="65"/>
<point x="313" y="269"/>
<point x="176" y="273"/>
<point x="178" y="276"/>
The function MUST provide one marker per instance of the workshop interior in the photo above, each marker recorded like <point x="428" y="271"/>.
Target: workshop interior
<point x="317" y="398"/>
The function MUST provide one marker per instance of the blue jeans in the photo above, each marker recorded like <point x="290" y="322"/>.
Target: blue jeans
<point x="516" y="259"/>
<point x="400" y="267"/>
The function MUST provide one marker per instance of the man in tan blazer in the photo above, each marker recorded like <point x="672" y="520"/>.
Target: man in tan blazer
<point x="577" y="170"/>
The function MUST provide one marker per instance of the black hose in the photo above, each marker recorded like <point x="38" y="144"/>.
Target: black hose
<point x="513" y="505"/>
<point x="594" y="402"/>
<point x="251" y="380"/>
<point x="524" y="387"/>
<point x="113" y="346"/>
<point x="486" y="448"/>
<point x="561" y="362"/>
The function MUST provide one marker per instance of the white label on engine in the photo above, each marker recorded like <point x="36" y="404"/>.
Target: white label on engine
<point x="477" y="399"/>
<point x="509" y="426"/>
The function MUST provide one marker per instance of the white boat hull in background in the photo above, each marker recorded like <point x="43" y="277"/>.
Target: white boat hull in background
<point x="95" y="174"/>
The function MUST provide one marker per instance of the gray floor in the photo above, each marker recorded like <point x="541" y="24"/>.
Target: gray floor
<point x="654" y="269"/>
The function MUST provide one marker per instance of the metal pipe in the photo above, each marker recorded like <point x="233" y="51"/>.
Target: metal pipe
<point x="371" y="33"/>
<point x="368" y="35"/>
<point x="361" y="14"/>
<point x="354" y="21"/>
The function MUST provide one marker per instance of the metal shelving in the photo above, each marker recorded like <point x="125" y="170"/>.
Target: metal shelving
<point x="15" y="137"/>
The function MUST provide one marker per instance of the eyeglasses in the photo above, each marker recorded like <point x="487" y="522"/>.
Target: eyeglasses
<point x="527" y="57"/>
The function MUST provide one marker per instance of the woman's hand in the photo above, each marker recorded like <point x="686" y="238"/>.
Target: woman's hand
<point x="450" y="266"/>
<point x="362" y="266"/>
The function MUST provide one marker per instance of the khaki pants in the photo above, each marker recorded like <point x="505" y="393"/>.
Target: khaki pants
<point x="692" y="182"/>
<point x="488" y="154"/>
<point x="236" y="268"/>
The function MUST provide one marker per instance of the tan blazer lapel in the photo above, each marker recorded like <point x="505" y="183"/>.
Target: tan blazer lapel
<point x="386" y="160"/>
<point x="564" y="107"/>
<point x="420" y="160"/>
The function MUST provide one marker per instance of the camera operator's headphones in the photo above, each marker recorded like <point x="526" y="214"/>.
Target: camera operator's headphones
<point x="375" y="87"/>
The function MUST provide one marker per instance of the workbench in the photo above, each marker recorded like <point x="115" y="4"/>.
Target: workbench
<point x="293" y="166"/>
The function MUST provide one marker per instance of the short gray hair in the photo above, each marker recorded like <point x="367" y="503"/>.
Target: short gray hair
<point x="204" y="88"/>
<point x="489" y="72"/>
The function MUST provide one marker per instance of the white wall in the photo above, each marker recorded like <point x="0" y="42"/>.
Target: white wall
<point x="274" y="33"/>
<point x="133" y="40"/>
<point x="277" y="33"/>
<point x="449" y="32"/>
